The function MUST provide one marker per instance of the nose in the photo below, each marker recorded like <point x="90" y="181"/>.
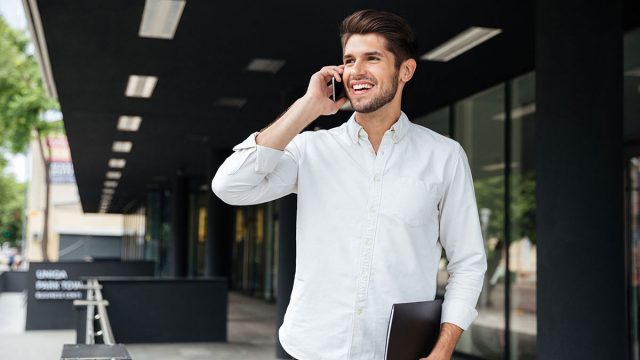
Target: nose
<point x="358" y="67"/>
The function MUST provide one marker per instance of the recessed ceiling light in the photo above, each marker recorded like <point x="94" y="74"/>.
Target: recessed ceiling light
<point x="231" y="102"/>
<point x="106" y="197"/>
<point x="635" y="72"/>
<point x="129" y="123"/>
<point x="114" y="175"/>
<point x="110" y="184"/>
<point x="109" y="191"/>
<point x="518" y="112"/>
<point x="461" y="43"/>
<point x="160" y="18"/>
<point x="140" y="86"/>
<point x="265" y="65"/>
<point x="122" y="146"/>
<point x="117" y="163"/>
<point x="499" y="166"/>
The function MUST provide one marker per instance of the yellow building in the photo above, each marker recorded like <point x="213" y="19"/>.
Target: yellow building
<point x="73" y="234"/>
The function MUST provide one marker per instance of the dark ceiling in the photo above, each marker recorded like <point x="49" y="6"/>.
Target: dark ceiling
<point x="94" y="46"/>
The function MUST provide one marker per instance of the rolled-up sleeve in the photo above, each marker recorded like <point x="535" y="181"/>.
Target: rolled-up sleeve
<point x="255" y="174"/>
<point x="461" y="237"/>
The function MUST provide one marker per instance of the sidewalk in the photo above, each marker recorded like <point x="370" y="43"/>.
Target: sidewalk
<point x="251" y="335"/>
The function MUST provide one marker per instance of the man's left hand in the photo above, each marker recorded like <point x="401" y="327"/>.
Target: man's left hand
<point x="447" y="340"/>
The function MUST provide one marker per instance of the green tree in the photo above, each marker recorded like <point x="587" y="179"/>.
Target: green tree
<point x="11" y="205"/>
<point x="23" y="101"/>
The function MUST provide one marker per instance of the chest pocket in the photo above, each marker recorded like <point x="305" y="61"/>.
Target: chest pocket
<point x="411" y="201"/>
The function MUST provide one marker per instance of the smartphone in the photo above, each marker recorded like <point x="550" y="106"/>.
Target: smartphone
<point x="338" y="90"/>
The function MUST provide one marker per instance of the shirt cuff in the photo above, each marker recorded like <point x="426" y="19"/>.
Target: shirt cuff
<point x="458" y="313"/>
<point x="266" y="158"/>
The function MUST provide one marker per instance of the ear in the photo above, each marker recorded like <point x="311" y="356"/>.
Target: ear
<point x="407" y="69"/>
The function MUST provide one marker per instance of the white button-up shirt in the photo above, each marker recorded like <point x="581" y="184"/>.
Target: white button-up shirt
<point x="370" y="229"/>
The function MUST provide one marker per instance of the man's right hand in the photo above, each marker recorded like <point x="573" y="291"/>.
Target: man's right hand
<point x="313" y="104"/>
<point x="318" y="93"/>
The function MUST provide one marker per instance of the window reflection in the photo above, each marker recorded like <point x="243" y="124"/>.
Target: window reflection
<point x="522" y="248"/>
<point x="480" y="131"/>
<point x="632" y="130"/>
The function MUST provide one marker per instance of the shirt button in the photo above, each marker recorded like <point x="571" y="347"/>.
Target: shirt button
<point x="372" y="209"/>
<point x="376" y="178"/>
<point x="359" y="311"/>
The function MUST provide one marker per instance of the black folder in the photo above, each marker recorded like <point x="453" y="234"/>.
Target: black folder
<point x="413" y="330"/>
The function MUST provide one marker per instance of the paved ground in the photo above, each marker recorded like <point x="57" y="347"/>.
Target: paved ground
<point x="251" y="335"/>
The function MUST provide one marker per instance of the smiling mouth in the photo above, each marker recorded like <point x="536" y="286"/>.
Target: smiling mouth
<point x="361" y="88"/>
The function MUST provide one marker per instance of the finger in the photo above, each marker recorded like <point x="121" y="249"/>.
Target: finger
<point x="334" y="70"/>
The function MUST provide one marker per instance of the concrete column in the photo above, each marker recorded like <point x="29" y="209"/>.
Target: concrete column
<point x="581" y="299"/>
<point x="286" y="260"/>
<point x="179" y="221"/>
<point x="219" y="224"/>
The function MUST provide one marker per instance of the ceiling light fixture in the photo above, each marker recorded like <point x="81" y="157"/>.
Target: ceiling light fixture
<point x="265" y="65"/>
<point x="115" y="175"/>
<point x="141" y="86"/>
<point x="461" y="43"/>
<point x="236" y="103"/>
<point x="108" y="191"/>
<point x="160" y="18"/>
<point x="117" y="163"/>
<point x="635" y="72"/>
<point x="129" y="123"/>
<point x="518" y="112"/>
<point x="110" y="184"/>
<point x="122" y="146"/>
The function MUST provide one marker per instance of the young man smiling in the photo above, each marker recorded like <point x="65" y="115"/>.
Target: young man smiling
<point x="378" y="198"/>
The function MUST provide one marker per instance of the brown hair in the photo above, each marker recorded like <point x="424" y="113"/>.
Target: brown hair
<point x="400" y="38"/>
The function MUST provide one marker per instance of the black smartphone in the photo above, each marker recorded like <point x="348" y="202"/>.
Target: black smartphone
<point x="338" y="89"/>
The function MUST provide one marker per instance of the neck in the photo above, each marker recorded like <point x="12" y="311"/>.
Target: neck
<point x="378" y="122"/>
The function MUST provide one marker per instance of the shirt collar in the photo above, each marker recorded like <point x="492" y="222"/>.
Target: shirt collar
<point x="398" y="129"/>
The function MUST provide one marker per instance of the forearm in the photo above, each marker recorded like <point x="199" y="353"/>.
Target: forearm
<point x="447" y="340"/>
<point x="279" y="134"/>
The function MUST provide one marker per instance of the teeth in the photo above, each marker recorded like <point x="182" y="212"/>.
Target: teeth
<point x="362" y="86"/>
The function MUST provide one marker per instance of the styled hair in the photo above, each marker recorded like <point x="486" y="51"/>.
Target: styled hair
<point x="400" y="38"/>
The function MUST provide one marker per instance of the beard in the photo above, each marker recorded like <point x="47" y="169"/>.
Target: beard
<point x="379" y="101"/>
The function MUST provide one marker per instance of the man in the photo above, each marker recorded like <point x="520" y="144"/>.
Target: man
<point x="378" y="198"/>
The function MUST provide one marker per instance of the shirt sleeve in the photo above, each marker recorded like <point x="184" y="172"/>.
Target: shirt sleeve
<point x="461" y="237"/>
<point x="254" y="174"/>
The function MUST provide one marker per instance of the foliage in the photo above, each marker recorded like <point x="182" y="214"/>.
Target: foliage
<point x="11" y="204"/>
<point x="22" y="97"/>
<point x="23" y="101"/>
<point x="490" y="194"/>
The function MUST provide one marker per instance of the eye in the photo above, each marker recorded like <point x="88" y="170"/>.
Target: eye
<point x="348" y="61"/>
<point x="374" y="58"/>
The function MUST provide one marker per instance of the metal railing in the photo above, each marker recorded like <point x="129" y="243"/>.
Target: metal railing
<point x="96" y="301"/>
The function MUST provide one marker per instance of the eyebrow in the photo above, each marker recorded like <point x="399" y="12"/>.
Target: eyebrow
<point x="368" y="53"/>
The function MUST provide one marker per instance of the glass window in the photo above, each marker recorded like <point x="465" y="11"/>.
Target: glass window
<point x="522" y="247"/>
<point x="632" y="131"/>
<point x="632" y="84"/>
<point x="633" y="230"/>
<point x="480" y="130"/>
<point x="437" y="121"/>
